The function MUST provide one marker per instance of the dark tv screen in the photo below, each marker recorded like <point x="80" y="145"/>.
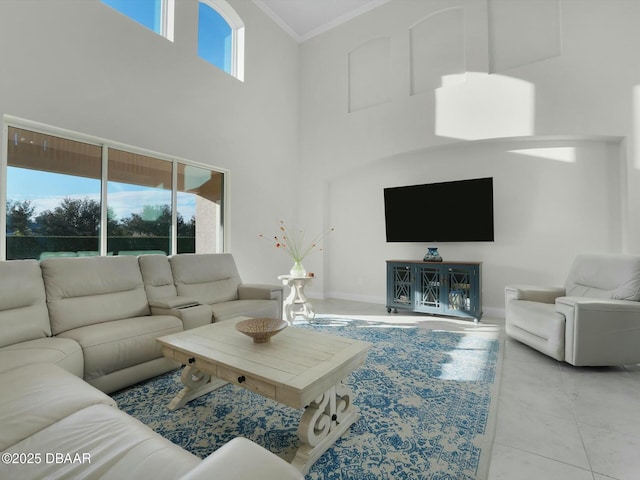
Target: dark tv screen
<point x="459" y="211"/>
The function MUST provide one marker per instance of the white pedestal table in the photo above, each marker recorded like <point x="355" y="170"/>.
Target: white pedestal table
<point x="297" y="302"/>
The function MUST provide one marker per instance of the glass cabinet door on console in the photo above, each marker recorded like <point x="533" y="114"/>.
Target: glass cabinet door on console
<point x="429" y="291"/>
<point x="452" y="288"/>
<point x="400" y="280"/>
<point x="463" y="294"/>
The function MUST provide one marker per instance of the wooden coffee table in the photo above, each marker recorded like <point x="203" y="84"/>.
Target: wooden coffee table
<point x="298" y="367"/>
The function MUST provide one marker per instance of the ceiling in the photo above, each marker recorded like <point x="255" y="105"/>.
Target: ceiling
<point x="304" y="19"/>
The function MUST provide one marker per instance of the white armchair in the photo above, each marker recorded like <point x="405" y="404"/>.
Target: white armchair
<point x="594" y="320"/>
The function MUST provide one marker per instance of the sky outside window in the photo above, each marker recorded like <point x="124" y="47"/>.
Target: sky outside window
<point x="46" y="191"/>
<point x="214" y="38"/>
<point x="145" y="12"/>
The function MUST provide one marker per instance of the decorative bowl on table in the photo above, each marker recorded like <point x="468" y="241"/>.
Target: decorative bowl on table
<point x="261" y="329"/>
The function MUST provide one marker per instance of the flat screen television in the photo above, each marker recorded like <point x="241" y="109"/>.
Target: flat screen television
<point x="459" y="211"/>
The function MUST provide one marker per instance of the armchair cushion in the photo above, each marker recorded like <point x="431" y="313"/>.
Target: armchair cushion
<point x="605" y="276"/>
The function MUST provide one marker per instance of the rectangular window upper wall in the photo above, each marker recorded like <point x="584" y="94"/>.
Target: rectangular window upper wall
<point x="138" y="204"/>
<point x="199" y="207"/>
<point x="156" y="15"/>
<point x="53" y="196"/>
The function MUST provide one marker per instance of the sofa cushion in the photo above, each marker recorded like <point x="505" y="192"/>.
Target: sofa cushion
<point x="23" y="309"/>
<point x="230" y="462"/>
<point x="209" y="278"/>
<point x="110" y="445"/>
<point x="605" y="276"/>
<point x="89" y="290"/>
<point x="62" y="351"/>
<point x="33" y="397"/>
<point x="157" y="276"/>
<point x="247" y="308"/>
<point x="120" y="344"/>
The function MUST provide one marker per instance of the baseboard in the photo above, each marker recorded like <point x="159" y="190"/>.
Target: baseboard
<point x="493" y="312"/>
<point x="357" y="298"/>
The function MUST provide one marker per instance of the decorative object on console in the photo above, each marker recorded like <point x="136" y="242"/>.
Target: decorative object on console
<point x="457" y="299"/>
<point x="261" y="329"/>
<point x="292" y="241"/>
<point x="432" y="255"/>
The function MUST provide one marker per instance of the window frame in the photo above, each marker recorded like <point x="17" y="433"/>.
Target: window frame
<point x="106" y="144"/>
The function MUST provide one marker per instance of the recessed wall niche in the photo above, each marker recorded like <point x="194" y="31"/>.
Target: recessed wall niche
<point x="437" y="49"/>
<point x="370" y="74"/>
<point x="523" y="32"/>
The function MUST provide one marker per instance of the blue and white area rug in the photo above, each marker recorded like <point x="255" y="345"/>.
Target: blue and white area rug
<point x="427" y="400"/>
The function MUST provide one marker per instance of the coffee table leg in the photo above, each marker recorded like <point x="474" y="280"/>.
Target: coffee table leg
<point x="323" y="422"/>
<point x="196" y="383"/>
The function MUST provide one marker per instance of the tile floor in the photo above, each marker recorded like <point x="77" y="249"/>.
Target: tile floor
<point x="555" y="421"/>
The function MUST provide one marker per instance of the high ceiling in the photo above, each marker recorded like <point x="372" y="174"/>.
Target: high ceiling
<point x="304" y="19"/>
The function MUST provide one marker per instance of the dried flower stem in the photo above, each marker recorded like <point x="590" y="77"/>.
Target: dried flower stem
<point x="292" y="241"/>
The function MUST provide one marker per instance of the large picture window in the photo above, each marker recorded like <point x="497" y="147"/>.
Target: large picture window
<point x="53" y="195"/>
<point x="59" y="202"/>
<point x="139" y="202"/>
<point x="199" y="198"/>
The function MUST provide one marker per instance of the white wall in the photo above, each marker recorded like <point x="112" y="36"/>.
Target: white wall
<point x="548" y="74"/>
<point x="549" y="202"/>
<point x="311" y="134"/>
<point x="83" y="66"/>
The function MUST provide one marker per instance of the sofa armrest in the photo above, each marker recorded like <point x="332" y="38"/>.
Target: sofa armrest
<point x="256" y="291"/>
<point x="242" y="459"/>
<point x="173" y="302"/>
<point x="600" y="331"/>
<point x="532" y="293"/>
<point x="192" y="316"/>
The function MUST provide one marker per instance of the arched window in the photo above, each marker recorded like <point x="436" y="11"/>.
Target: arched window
<point x="221" y="37"/>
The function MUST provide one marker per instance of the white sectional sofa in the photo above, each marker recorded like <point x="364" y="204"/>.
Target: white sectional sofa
<point x="56" y="426"/>
<point x="72" y="329"/>
<point x="99" y="317"/>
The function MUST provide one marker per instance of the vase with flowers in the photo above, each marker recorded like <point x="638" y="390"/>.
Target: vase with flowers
<point x="297" y="246"/>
